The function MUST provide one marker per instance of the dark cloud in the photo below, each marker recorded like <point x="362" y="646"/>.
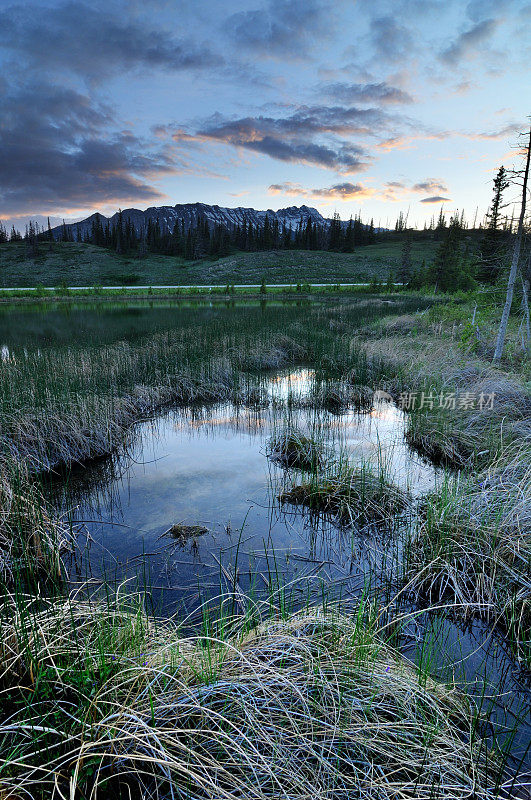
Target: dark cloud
<point x="398" y="190"/>
<point x="367" y="93"/>
<point x="343" y="191"/>
<point x="391" y="40"/>
<point x="281" y="28"/>
<point x="435" y="199"/>
<point x="288" y="188"/>
<point x="75" y="37"/>
<point x="303" y="121"/>
<point x="58" y="151"/>
<point x="469" y="42"/>
<point x="429" y="185"/>
<point x="310" y="134"/>
<point x="343" y="158"/>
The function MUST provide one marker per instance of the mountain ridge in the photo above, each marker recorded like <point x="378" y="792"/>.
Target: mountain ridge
<point x="189" y="214"/>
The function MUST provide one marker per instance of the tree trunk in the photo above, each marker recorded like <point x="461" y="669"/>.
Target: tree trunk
<point x="525" y="302"/>
<point x="514" y="264"/>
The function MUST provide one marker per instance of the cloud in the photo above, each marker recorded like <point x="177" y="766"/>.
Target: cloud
<point x="287" y="188"/>
<point x="74" y="37"/>
<point x="339" y="191"/>
<point x="508" y="130"/>
<point x="436" y="199"/>
<point x="367" y="93"/>
<point x="390" y="40"/>
<point x="468" y="43"/>
<point x="429" y="185"/>
<point x="344" y="191"/>
<point x="59" y="150"/>
<point x="318" y="135"/>
<point x="398" y="190"/>
<point x="479" y="9"/>
<point x="281" y="28"/>
<point x="395" y="143"/>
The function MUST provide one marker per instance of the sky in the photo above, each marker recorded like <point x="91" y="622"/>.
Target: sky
<point x="371" y="106"/>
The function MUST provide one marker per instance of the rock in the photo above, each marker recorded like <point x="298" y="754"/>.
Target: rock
<point x="186" y="531"/>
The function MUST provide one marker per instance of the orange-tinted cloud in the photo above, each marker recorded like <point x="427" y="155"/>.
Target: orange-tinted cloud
<point x="339" y="191"/>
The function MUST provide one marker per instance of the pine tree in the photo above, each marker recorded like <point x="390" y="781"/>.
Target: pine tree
<point x="440" y="227"/>
<point x="119" y="247"/>
<point x="50" y="235"/>
<point x="31" y="239"/>
<point x="350" y="238"/>
<point x="335" y="233"/>
<point x="495" y="241"/>
<point x="406" y="266"/>
<point x="449" y="271"/>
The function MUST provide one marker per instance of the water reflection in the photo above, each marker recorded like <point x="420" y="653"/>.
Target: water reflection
<point x="208" y="466"/>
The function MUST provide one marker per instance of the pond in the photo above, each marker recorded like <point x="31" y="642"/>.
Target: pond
<point x="208" y="467"/>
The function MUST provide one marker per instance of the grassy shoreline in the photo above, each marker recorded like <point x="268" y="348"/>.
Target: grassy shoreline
<point x="475" y="533"/>
<point x="197" y="293"/>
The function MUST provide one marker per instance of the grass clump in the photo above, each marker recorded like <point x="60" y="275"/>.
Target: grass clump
<point x="362" y="397"/>
<point x="31" y="537"/>
<point x="100" y="701"/>
<point x="294" y="449"/>
<point x="435" y="438"/>
<point x="185" y="532"/>
<point x="349" y="495"/>
<point x="473" y="547"/>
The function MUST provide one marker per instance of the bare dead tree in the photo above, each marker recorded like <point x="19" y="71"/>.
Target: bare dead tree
<point x="526" y="281"/>
<point x="500" y="341"/>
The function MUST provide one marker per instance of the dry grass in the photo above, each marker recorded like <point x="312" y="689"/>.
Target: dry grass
<point x="31" y="538"/>
<point x="441" y="442"/>
<point x="316" y="705"/>
<point x="474" y="546"/>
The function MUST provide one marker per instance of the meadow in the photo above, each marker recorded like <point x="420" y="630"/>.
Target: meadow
<point x="277" y="682"/>
<point x="76" y="264"/>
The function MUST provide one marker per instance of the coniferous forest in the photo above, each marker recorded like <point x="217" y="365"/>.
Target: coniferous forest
<point x="465" y="255"/>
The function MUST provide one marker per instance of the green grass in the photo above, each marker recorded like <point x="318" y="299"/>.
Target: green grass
<point x="76" y="264"/>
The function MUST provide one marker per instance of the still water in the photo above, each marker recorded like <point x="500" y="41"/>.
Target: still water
<point x="209" y="467"/>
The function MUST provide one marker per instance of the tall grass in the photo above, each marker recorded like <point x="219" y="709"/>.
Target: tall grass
<point x="473" y="545"/>
<point x="73" y="401"/>
<point x="32" y="539"/>
<point x="101" y="701"/>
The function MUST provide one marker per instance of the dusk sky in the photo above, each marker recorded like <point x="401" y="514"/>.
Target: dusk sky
<point x="379" y="106"/>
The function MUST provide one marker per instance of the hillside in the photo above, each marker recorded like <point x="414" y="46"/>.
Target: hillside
<point x="76" y="264"/>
